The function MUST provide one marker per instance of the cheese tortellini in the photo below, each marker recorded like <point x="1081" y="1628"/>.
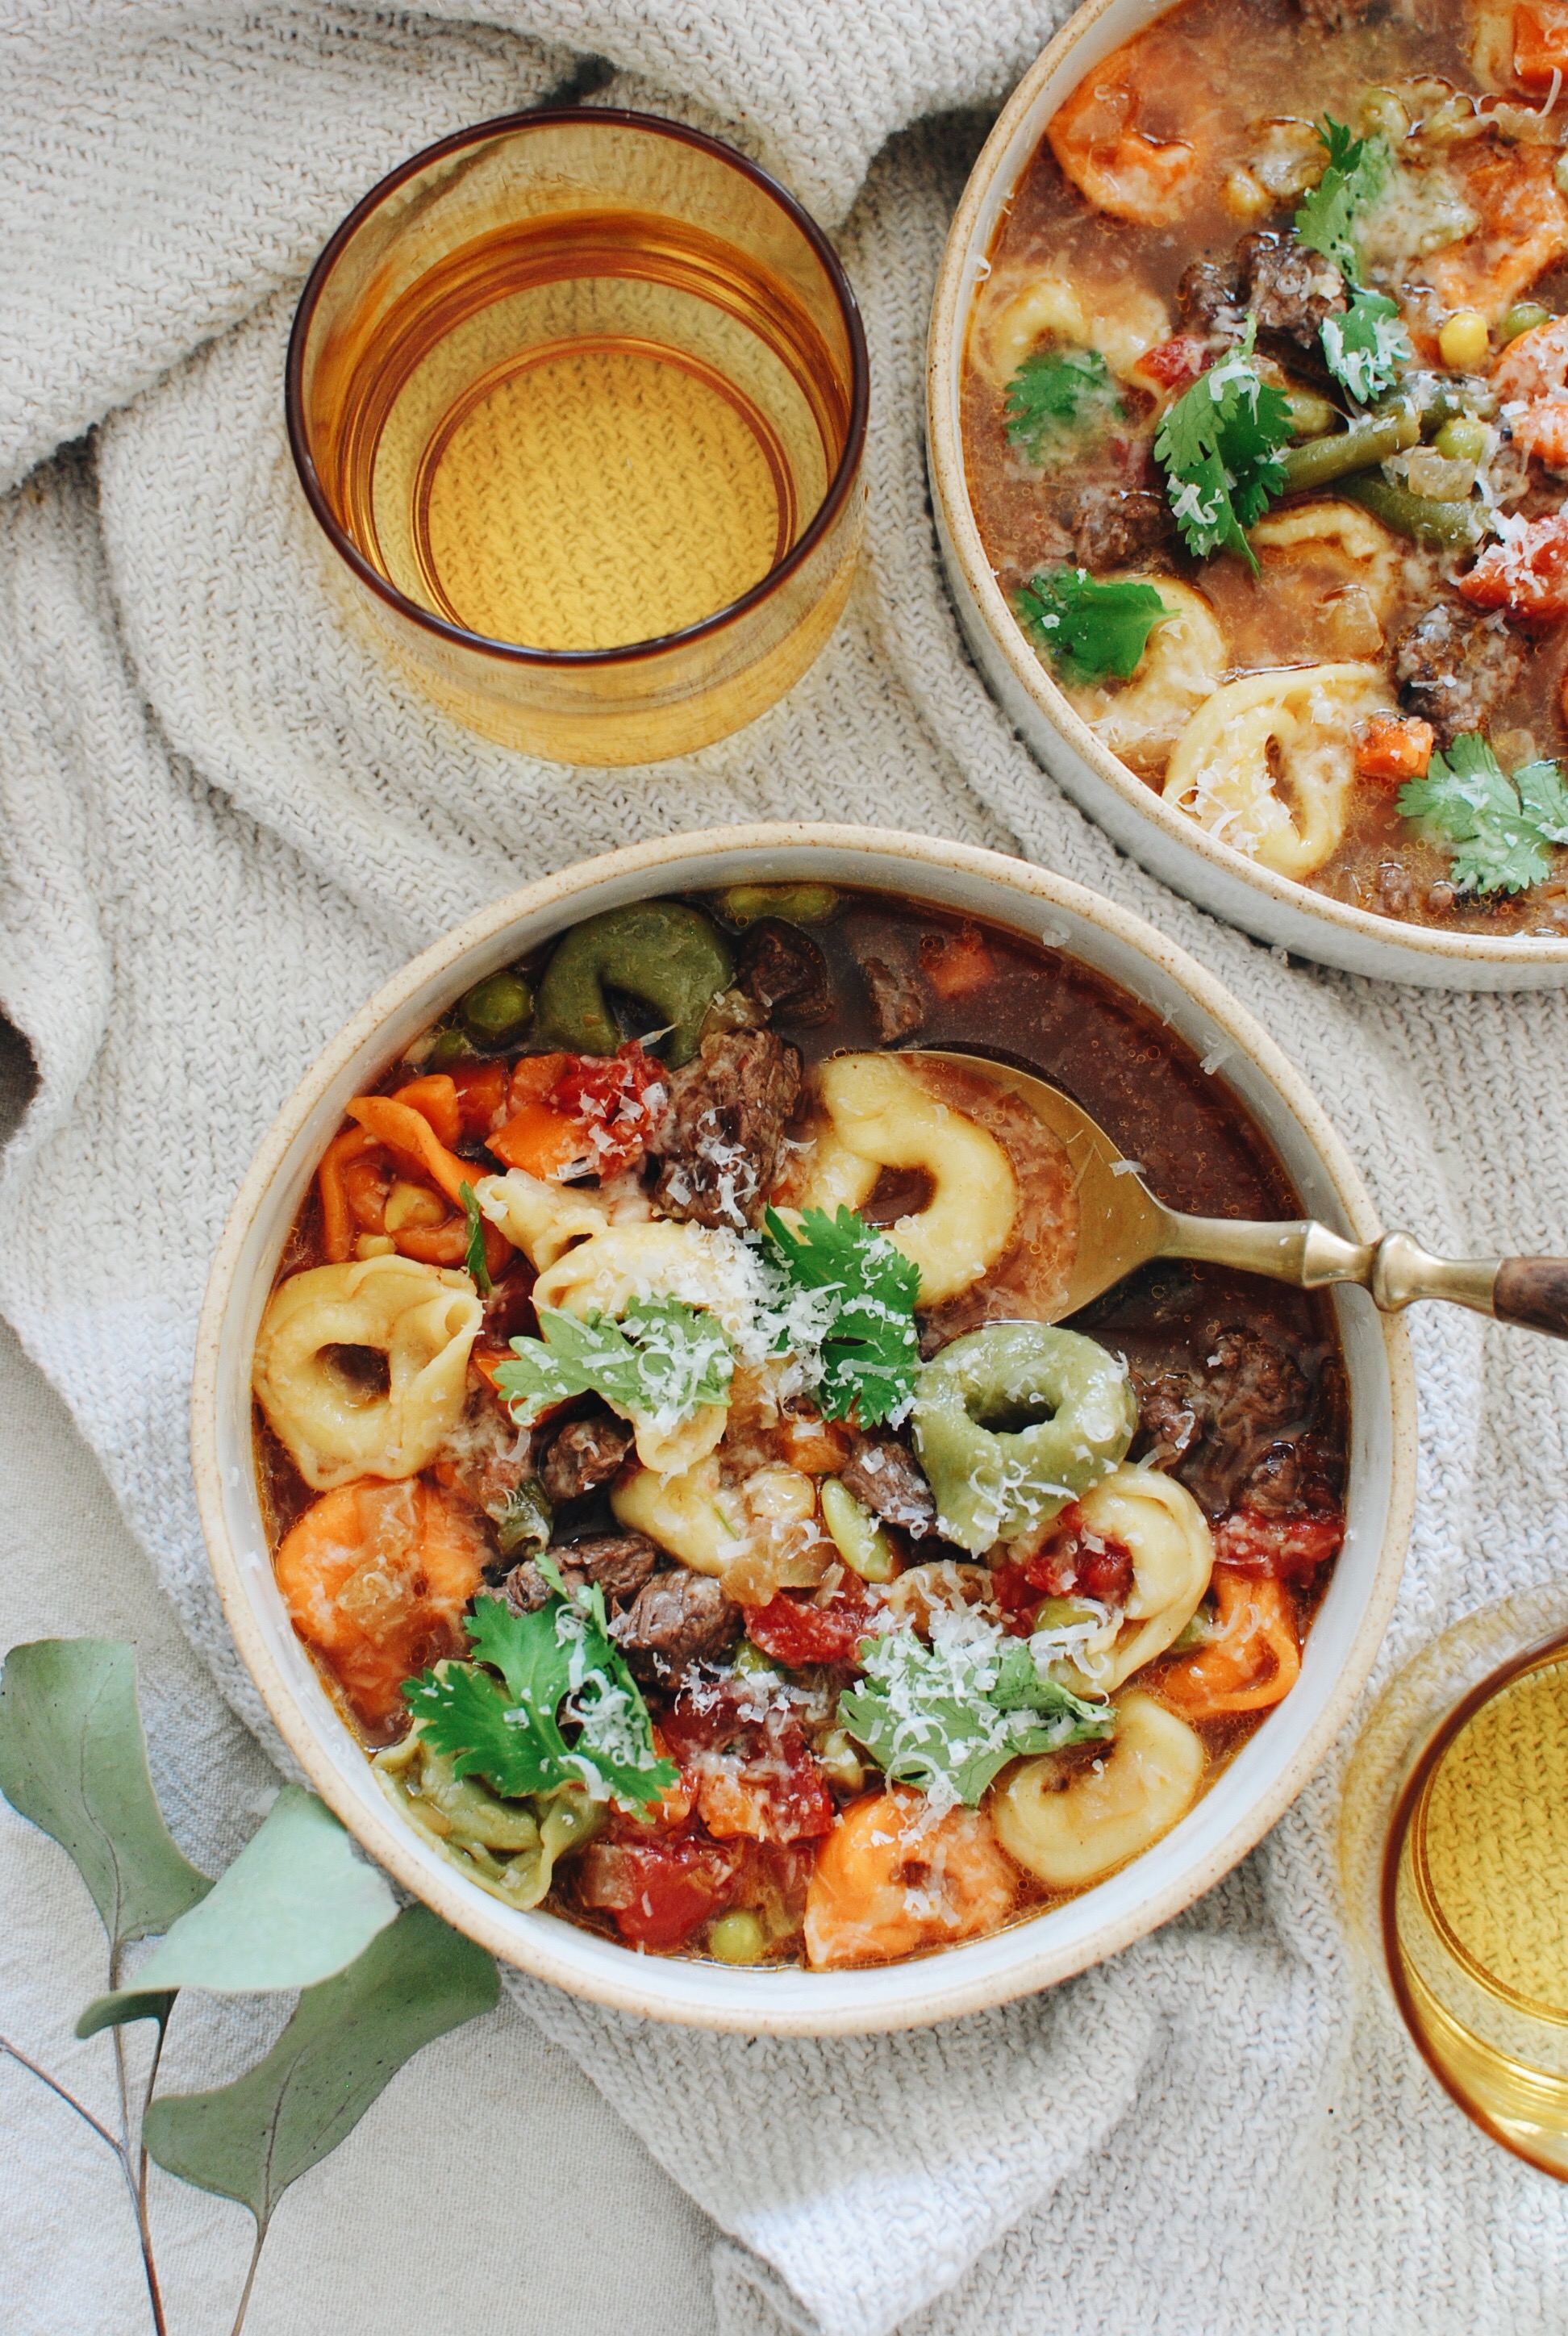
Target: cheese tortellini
<point x="692" y="1516"/>
<point x="1074" y="1833"/>
<point x="882" y="1117"/>
<point x="1120" y="319"/>
<point x="1172" y="1553"/>
<point x="1182" y="663"/>
<point x="1266" y="765"/>
<point x="542" y="1219"/>
<point x="335" y="1425"/>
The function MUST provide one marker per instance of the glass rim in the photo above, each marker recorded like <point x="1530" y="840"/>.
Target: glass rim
<point x="1538" y="1656"/>
<point x="515" y="653"/>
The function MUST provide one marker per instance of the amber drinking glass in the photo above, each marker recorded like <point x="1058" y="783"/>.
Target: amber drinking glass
<point x="579" y="398"/>
<point x="1455" y="1849"/>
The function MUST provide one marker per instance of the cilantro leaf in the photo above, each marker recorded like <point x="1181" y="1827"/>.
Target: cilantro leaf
<point x="1500" y="828"/>
<point x="1087" y="628"/>
<point x="1366" y="346"/>
<point x="948" y="1716"/>
<point x="1054" y="398"/>
<point x="1218" y="444"/>
<point x="557" y="1663"/>
<point x="1359" y="169"/>
<point x="869" y="1348"/>
<point x="474" y="1258"/>
<point x="664" y="1361"/>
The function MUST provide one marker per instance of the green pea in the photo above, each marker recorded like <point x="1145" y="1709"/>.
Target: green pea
<point x="1372" y="438"/>
<point x="994" y="1484"/>
<point x="447" y="1048"/>
<point x="737" y="1939"/>
<point x="1451" y="526"/>
<point x="749" y="1660"/>
<point x="1061" y="1613"/>
<point x="797" y="904"/>
<point x="498" y="1008"/>
<point x="1462" y="439"/>
<point x="859" y="1539"/>
<point x="670" y="958"/>
<point x="1523" y="319"/>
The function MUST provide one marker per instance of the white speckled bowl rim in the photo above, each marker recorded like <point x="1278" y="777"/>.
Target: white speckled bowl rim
<point x="1166" y="840"/>
<point x="1249" y="1795"/>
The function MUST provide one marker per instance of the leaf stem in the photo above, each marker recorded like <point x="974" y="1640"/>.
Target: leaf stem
<point x="69" y="2098"/>
<point x="249" y="2279"/>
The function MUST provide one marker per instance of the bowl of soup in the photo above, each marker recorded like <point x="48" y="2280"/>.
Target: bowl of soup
<point x="653" y="1484"/>
<point x="1246" y="370"/>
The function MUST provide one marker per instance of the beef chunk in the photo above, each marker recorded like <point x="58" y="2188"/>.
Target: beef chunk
<point x="1454" y="666"/>
<point x="1175" y="1409"/>
<point x="718" y="1142"/>
<point x="584" y="1455"/>
<point x="785" y="972"/>
<point x="1254" y="1390"/>
<point x="1337" y="15"/>
<point x="676" y="1618"/>
<point x="890" y="1482"/>
<point x="1206" y="301"/>
<point x="1291" y="289"/>
<point x="620" y="1562"/>
<point x="1116" y="524"/>
<point x="898" y="999"/>
<point x="1297" y="1473"/>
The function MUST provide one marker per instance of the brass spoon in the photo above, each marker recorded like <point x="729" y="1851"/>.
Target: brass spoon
<point x="1122" y="1226"/>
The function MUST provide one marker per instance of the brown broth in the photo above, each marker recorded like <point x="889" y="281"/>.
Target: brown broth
<point x="1210" y="71"/>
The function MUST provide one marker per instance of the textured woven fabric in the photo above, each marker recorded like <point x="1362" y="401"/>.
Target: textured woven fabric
<point x="222" y="823"/>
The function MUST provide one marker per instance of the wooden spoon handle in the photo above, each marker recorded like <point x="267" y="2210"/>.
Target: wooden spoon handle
<point x="1534" y="1292"/>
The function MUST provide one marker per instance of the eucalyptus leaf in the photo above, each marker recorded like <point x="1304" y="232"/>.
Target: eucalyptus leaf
<point x="345" y="2042"/>
<point x="298" y="1903"/>
<point x="73" y="1760"/>
<point x="127" y="2003"/>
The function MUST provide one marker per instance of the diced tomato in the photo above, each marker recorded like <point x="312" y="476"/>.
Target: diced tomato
<point x="1176" y="363"/>
<point x="795" y="1631"/>
<point x="1070" y="1557"/>
<point x="1394" y="746"/>
<point x="585" y="1114"/>
<point x="957" y="963"/>
<point x="658" y="1892"/>
<point x="1526" y="573"/>
<point x="481" y="1096"/>
<point x="752" y="1772"/>
<point x="1287" y="1548"/>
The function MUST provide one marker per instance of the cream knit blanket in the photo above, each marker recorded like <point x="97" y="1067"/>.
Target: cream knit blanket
<point x="220" y="826"/>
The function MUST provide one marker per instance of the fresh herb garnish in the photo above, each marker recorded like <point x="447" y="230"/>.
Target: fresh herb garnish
<point x="1087" y="628"/>
<point x="1054" y="398"/>
<point x="557" y="1663"/>
<point x="1500" y="828"/>
<point x="1218" y="444"/>
<point x="869" y="1347"/>
<point x="1366" y="346"/>
<point x="1358" y="172"/>
<point x="474" y="1258"/>
<point x="664" y="1361"/>
<point x="948" y="1716"/>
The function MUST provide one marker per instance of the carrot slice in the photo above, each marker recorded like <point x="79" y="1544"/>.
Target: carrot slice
<point x="543" y="1142"/>
<point x="1255" y="1660"/>
<point x="436" y="1099"/>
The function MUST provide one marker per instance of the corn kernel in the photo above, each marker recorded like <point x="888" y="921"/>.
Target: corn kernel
<point x="1464" y="341"/>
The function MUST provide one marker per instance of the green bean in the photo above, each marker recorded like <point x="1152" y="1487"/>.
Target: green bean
<point x="797" y="904"/>
<point x="497" y="1008"/>
<point x="1440" y="397"/>
<point x="1452" y="527"/>
<point x="994" y="1484"/>
<point x="1319" y="462"/>
<point x="669" y="958"/>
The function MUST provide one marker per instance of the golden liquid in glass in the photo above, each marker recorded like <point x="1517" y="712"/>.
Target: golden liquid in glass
<point x="1477" y="1907"/>
<point x="586" y="431"/>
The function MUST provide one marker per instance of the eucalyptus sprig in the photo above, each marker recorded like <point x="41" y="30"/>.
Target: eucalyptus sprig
<point x="297" y="1908"/>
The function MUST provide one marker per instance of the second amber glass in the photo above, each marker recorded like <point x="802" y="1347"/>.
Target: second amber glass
<point x="580" y="399"/>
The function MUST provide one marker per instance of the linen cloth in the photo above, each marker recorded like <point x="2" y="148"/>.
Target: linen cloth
<point x="223" y="820"/>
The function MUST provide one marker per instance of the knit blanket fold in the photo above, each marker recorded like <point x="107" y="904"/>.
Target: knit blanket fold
<point x="223" y="820"/>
